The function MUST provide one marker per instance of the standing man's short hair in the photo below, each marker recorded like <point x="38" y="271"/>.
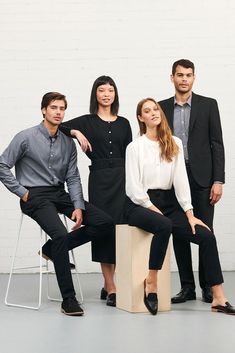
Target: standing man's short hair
<point x="187" y="64"/>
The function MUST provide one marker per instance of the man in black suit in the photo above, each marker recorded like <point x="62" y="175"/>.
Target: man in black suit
<point x="196" y="121"/>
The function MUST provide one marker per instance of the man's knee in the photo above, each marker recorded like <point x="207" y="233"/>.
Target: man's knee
<point x="206" y="235"/>
<point x="60" y="238"/>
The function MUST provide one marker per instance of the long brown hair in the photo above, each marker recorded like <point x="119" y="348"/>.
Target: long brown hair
<point x="169" y="148"/>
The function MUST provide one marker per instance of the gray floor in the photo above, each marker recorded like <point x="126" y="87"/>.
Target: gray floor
<point x="189" y="327"/>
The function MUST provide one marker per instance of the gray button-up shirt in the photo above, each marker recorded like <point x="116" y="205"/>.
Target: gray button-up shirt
<point x="181" y="123"/>
<point x="41" y="160"/>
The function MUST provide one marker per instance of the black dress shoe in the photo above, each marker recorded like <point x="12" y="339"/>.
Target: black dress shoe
<point x="184" y="295"/>
<point x="227" y="309"/>
<point x="111" y="299"/>
<point x="150" y="301"/>
<point x="207" y="296"/>
<point x="103" y="294"/>
<point x="71" y="307"/>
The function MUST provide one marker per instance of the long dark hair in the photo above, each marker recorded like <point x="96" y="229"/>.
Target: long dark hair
<point x="103" y="80"/>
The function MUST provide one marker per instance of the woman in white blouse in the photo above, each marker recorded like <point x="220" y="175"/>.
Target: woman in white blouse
<point x="159" y="202"/>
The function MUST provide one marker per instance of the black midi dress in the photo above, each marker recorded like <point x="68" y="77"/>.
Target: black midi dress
<point x="106" y="185"/>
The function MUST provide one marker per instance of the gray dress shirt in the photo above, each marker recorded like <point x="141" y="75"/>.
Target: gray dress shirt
<point x="181" y="123"/>
<point x="41" y="160"/>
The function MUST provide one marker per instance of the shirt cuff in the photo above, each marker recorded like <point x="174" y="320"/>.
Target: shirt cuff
<point x="187" y="207"/>
<point x="147" y="204"/>
<point x="79" y="204"/>
<point x="21" y="191"/>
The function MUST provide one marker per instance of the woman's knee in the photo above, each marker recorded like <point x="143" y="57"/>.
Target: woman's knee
<point x="166" y="225"/>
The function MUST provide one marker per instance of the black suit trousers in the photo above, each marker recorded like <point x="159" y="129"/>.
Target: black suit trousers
<point x="174" y="221"/>
<point x="204" y="211"/>
<point x="43" y="205"/>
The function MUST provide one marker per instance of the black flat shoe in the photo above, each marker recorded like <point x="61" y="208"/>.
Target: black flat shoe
<point x="150" y="301"/>
<point x="227" y="309"/>
<point x="111" y="299"/>
<point x="207" y="296"/>
<point x="103" y="294"/>
<point x="184" y="295"/>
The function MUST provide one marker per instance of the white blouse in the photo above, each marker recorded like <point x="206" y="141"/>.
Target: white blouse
<point x="146" y="170"/>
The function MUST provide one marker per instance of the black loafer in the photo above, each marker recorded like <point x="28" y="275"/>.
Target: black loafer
<point x="207" y="296"/>
<point x="103" y="294"/>
<point x="227" y="309"/>
<point x="111" y="299"/>
<point x="151" y="301"/>
<point x="184" y="295"/>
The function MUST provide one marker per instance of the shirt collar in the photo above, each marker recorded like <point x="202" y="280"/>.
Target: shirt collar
<point x="189" y="101"/>
<point x="45" y="132"/>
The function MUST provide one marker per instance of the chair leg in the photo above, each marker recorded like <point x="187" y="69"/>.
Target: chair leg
<point x="13" y="269"/>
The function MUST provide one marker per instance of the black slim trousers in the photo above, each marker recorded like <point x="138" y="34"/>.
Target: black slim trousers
<point x="174" y="221"/>
<point x="204" y="211"/>
<point x="43" y="205"/>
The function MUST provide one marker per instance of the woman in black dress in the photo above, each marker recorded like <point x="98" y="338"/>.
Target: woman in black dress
<point x="106" y="138"/>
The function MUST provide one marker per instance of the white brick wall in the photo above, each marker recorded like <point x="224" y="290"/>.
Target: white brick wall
<point x="65" y="44"/>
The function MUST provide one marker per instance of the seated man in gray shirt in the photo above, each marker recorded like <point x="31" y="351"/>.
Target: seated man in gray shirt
<point x="44" y="159"/>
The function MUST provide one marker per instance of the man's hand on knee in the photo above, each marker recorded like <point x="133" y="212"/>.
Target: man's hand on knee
<point x="77" y="217"/>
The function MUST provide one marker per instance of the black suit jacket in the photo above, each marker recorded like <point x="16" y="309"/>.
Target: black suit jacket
<point x="205" y="141"/>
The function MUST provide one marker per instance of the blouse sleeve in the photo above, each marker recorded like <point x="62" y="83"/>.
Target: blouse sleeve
<point x="73" y="124"/>
<point x="134" y="187"/>
<point x="180" y="180"/>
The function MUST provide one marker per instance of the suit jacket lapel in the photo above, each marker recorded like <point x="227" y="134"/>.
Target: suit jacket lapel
<point x="170" y="113"/>
<point x="193" y="114"/>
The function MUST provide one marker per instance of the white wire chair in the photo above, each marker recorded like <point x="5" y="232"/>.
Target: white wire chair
<point x="43" y="269"/>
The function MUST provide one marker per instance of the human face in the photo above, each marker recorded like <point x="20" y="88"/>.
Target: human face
<point x="54" y="112"/>
<point x="183" y="79"/>
<point x="105" y="95"/>
<point x="150" y="115"/>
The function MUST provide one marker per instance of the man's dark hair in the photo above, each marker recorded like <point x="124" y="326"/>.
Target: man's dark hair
<point x="187" y="64"/>
<point x="52" y="96"/>
<point x="103" y="80"/>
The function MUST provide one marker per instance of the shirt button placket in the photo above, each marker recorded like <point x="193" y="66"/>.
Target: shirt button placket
<point x="51" y="152"/>
<point x="110" y="141"/>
